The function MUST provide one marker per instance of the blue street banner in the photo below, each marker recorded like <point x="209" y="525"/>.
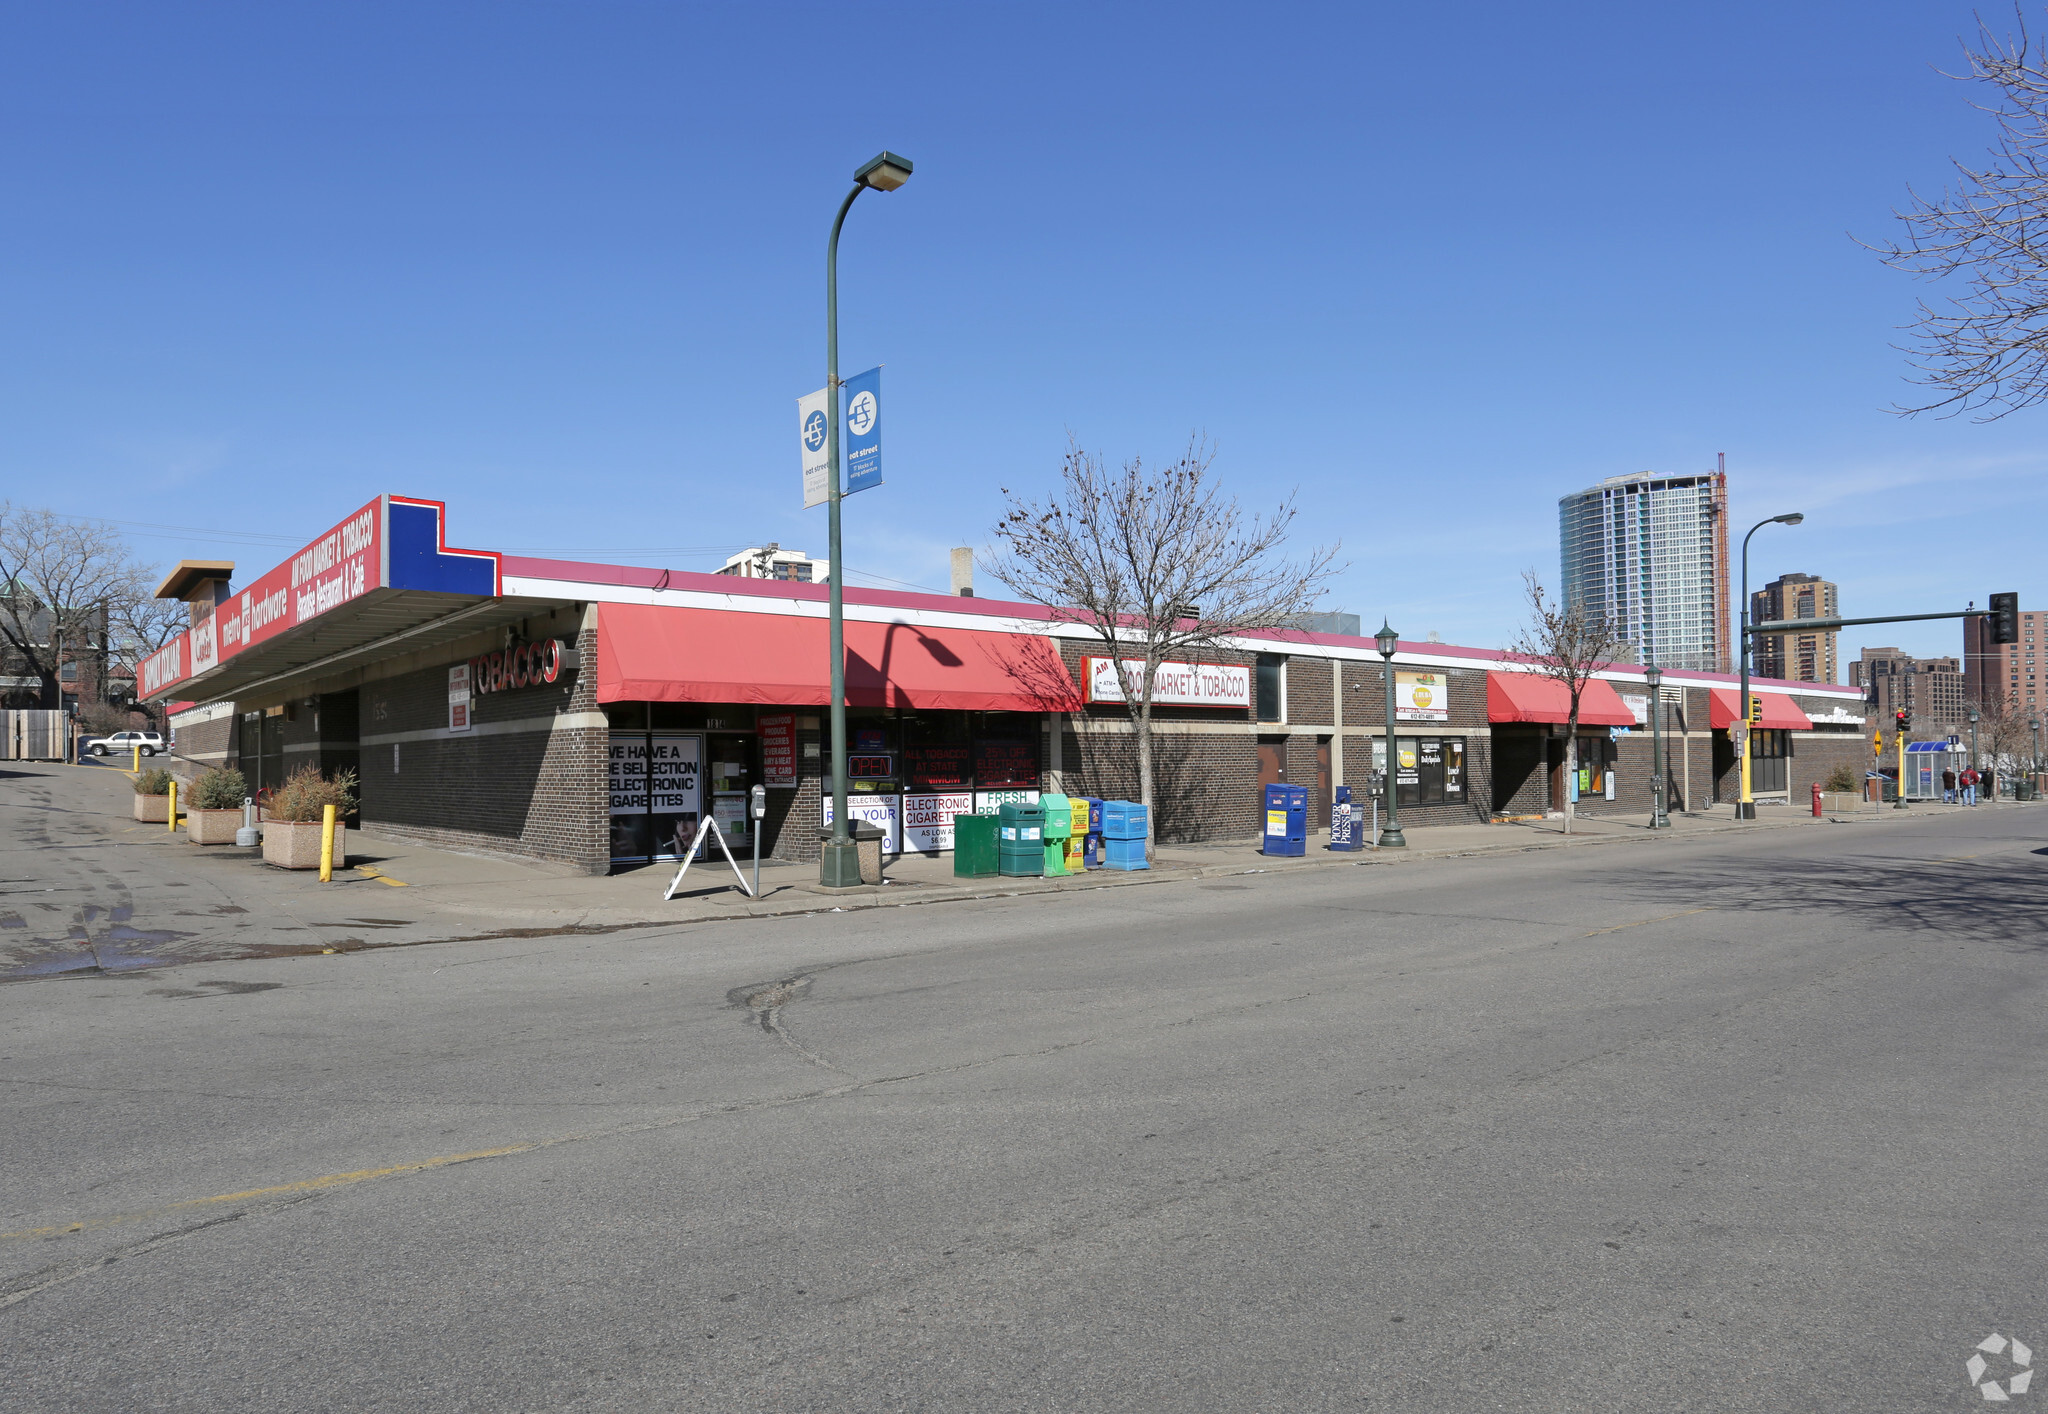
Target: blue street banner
<point x="863" y="424"/>
<point x="810" y="426"/>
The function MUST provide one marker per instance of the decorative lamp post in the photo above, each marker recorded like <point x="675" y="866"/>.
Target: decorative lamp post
<point x="839" y="859"/>
<point x="1391" y="837"/>
<point x="1660" y="773"/>
<point x="1745" y="806"/>
<point x="2035" y="726"/>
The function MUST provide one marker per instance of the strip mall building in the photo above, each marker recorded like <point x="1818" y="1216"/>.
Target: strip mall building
<point x="579" y="713"/>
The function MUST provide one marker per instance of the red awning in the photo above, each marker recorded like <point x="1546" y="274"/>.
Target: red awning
<point x="1528" y="697"/>
<point x="1780" y="713"/>
<point x="650" y="653"/>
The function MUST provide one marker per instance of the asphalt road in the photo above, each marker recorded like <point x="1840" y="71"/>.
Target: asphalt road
<point x="1737" y="1124"/>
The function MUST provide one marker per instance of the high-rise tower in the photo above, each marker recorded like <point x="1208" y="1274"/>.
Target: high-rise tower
<point x="1651" y="553"/>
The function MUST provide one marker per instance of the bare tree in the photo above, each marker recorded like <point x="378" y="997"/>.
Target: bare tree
<point x="2003" y="736"/>
<point x="1568" y="645"/>
<point x="59" y="582"/>
<point x="1157" y="563"/>
<point x="1986" y="349"/>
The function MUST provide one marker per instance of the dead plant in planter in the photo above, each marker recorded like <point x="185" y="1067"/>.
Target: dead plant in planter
<point x="291" y="836"/>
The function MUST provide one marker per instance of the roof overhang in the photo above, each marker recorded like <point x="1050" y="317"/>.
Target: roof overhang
<point x="184" y="581"/>
<point x="383" y="577"/>
<point x="381" y="624"/>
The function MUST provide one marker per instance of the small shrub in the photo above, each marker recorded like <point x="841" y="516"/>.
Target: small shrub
<point x="305" y="792"/>
<point x="1844" y="780"/>
<point x="154" y="781"/>
<point x="219" y="790"/>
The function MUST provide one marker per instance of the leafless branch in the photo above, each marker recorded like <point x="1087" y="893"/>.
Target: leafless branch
<point x="1985" y="350"/>
<point x="1568" y="645"/>
<point x="1156" y="562"/>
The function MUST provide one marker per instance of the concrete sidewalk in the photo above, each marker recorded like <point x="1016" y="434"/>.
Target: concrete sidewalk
<point x="520" y="896"/>
<point x="146" y="897"/>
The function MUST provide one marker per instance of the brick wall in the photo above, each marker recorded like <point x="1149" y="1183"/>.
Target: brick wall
<point x="535" y="786"/>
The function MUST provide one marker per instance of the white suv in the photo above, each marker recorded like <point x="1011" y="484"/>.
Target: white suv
<point x="124" y="743"/>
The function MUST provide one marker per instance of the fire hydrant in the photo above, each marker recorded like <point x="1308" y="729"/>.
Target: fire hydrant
<point x="1816" y="800"/>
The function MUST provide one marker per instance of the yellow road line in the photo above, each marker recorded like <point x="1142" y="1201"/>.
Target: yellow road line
<point x="367" y="872"/>
<point x="1640" y="922"/>
<point x="281" y="1190"/>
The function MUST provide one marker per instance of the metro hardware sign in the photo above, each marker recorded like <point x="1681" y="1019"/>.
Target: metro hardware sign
<point x="395" y="542"/>
<point x="1173" y="684"/>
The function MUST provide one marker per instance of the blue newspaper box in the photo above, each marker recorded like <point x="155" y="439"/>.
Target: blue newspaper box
<point x="1286" y="829"/>
<point x="1345" y="831"/>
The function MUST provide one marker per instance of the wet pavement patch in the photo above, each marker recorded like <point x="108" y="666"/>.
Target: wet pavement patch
<point x="215" y="989"/>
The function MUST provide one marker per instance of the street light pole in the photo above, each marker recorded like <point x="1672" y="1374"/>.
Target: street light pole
<point x="839" y="859"/>
<point x="1745" y="807"/>
<point x="1659" y="818"/>
<point x="1391" y="837"/>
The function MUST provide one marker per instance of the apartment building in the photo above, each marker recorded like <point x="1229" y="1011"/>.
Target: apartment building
<point x="1796" y="657"/>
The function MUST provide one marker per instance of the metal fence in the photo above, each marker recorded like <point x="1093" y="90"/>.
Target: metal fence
<point x="34" y="735"/>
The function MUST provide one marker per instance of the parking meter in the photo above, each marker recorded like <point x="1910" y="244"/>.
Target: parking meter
<point x="758" y="801"/>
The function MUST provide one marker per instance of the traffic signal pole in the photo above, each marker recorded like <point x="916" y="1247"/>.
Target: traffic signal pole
<point x="2004" y="613"/>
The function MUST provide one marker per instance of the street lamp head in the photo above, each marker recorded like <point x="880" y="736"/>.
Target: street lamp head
<point x="1387" y="639"/>
<point x="1791" y="518"/>
<point x="1653" y="675"/>
<point x="885" y="171"/>
<point x="1973" y="710"/>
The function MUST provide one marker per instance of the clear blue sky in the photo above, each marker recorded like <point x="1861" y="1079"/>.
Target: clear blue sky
<point x="561" y="265"/>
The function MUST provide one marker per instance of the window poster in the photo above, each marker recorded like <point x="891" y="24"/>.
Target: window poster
<point x="655" y="786"/>
<point x="1006" y="763"/>
<point x="778" y="749"/>
<point x="940" y="764"/>
<point x="878" y="810"/>
<point x="928" y="820"/>
<point x="991" y="802"/>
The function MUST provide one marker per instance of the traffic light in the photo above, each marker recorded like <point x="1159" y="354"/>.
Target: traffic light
<point x="1904" y="719"/>
<point x="1756" y="710"/>
<point x="2005" y="618"/>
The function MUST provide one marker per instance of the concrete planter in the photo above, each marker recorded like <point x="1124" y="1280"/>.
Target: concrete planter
<point x="293" y="844"/>
<point x="1844" y="803"/>
<point x="153" y="809"/>
<point x="212" y="826"/>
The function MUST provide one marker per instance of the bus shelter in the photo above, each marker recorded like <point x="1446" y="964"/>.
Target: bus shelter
<point x="1926" y="761"/>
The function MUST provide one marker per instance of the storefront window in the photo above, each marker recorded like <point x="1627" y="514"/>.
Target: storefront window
<point x="938" y="752"/>
<point x="1271" y="674"/>
<point x="1431" y="770"/>
<point x="1006" y="750"/>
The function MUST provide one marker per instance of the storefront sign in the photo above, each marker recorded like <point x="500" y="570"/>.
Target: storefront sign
<point x="1835" y="717"/>
<point x="458" y="698"/>
<point x="778" y="749"/>
<point x="811" y="441"/>
<point x="863" y="424"/>
<point x="879" y="810"/>
<point x="523" y="665"/>
<point x="1173" y="684"/>
<point x="928" y="820"/>
<point x="1638" y="706"/>
<point x="1421" y="697"/>
<point x="1006" y="764"/>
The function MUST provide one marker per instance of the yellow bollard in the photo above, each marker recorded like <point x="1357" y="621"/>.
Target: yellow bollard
<point x="138" y="761"/>
<point x="326" y="844"/>
<point x="171" y="811"/>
